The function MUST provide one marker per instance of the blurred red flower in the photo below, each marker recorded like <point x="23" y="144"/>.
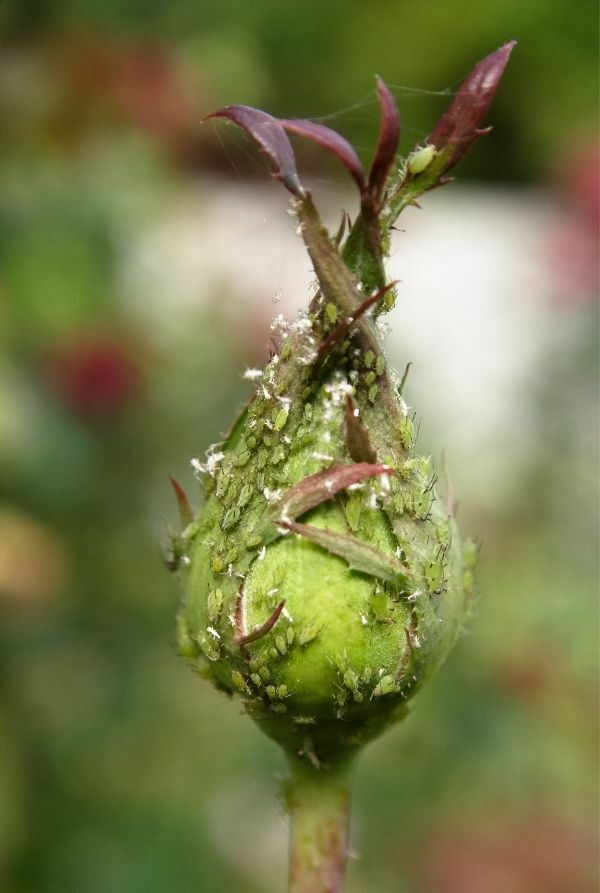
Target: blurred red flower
<point x="94" y="375"/>
<point x="532" y="857"/>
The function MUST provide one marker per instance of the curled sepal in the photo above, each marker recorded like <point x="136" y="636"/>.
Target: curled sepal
<point x="271" y="138"/>
<point x="186" y="513"/>
<point x="460" y="124"/>
<point x="331" y="141"/>
<point x="360" y="556"/>
<point x="259" y="631"/>
<point x="316" y="489"/>
<point x="341" y="330"/>
<point x="389" y="136"/>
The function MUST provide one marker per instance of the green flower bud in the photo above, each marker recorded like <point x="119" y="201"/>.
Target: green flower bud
<point x="323" y="561"/>
<point x="324" y="579"/>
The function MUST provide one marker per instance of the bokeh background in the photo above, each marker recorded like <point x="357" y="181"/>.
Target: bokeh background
<point x="141" y="256"/>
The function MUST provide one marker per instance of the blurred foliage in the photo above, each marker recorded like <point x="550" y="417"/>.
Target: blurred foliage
<point x="118" y="769"/>
<point x="312" y="59"/>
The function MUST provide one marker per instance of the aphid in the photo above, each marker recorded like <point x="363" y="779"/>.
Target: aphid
<point x="420" y="160"/>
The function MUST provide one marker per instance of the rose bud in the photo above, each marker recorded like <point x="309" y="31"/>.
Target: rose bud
<point x="324" y="579"/>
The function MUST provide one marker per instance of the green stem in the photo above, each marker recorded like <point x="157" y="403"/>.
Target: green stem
<point x="318" y="802"/>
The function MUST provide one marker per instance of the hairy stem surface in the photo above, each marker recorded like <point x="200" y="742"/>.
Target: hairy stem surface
<point x="318" y="802"/>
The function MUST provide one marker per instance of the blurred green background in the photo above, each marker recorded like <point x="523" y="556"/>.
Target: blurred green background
<point x="135" y="258"/>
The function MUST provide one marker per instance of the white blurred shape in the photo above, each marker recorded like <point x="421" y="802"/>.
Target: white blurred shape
<point x="474" y="313"/>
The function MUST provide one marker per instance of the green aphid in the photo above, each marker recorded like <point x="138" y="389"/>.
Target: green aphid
<point x="331" y="312"/>
<point x="214" y="602"/>
<point x="245" y="495"/>
<point x="434" y="576"/>
<point x="423" y="504"/>
<point x="406" y="433"/>
<point x="353" y="510"/>
<point x="420" y="160"/>
<point x="239" y="681"/>
<point x="341" y="661"/>
<point x="222" y="484"/>
<point x="385" y="686"/>
<point x="307" y="634"/>
<point x="351" y="680"/>
<point x="280" y="419"/>
<point x="230" y="518"/>
<point x="469" y="554"/>
<point x="208" y="644"/>
<point x="380" y="605"/>
<point x="255" y="662"/>
<point x="443" y="532"/>
<point x="278" y="454"/>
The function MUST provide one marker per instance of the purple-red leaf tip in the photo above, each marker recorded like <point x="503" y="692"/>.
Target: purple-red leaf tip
<point x="389" y="136"/>
<point x="186" y="514"/>
<point x="331" y="141"/>
<point x="460" y="125"/>
<point x="269" y="135"/>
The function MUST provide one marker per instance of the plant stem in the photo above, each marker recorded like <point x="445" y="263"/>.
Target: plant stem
<point x="318" y="802"/>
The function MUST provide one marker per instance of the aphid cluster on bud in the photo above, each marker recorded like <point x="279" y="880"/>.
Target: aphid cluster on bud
<point x="324" y="580"/>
